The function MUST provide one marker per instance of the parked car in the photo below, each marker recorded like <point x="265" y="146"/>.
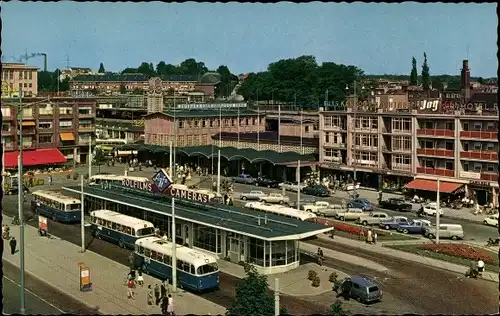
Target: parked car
<point x="431" y="209"/>
<point x="361" y="289"/>
<point x="396" y="205"/>
<point x="491" y="220"/>
<point x="363" y="204"/>
<point x="413" y="227"/>
<point x="290" y="186"/>
<point x="275" y="198"/>
<point x="331" y="210"/>
<point x="394" y="222"/>
<point x="14" y="189"/>
<point x="244" y="179"/>
<point x="314" y="207"/>
<point x="252" y="195"/>
<point x="266" y="182"/>
<point x="316" y="190"/>
<point x="302" y="202"/>
<point x="374" y="218"/>
<point x="351" y="214"/>
<point x="452" y="231"/>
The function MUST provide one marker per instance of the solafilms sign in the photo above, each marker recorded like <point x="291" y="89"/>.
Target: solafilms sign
<point x="172" y="191"/>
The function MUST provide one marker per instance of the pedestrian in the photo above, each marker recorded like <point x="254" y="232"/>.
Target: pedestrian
<point x="375" y="236"/>
<point x="332" y="232"/>
<point x="150" y="295"/>
<point x="170" y="308"/>
<point x="140" y="279"/>
<point x="13" y="244"/>
<point x="369" y="236"/>
<point x="163" y="290"/>
<point x="130" y="287"/>
<point x="164" y="306"/>
<point x="157" y="294"/>
<point x="131" y="274"/>
<point x="50" y="180"/>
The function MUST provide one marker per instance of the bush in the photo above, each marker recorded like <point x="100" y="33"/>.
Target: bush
<point x="333" y="277"/>
<point x="68" y="176"/>
<point x="75" y="176"/>
<point x="316" y="281"/>
<point x="459" y="251"/>
<point x="312" y="275"/>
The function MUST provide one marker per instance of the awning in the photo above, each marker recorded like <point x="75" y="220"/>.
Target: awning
<point x="35" y="157"/>
<point x="431" y="185"/>
<point x="29" y="123"/>
<point x="67" y="136"/>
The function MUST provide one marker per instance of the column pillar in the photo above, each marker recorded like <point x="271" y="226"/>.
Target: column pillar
<point x="270" y="254"/>
<point x="286" y="252"/>
<point x="264" y="256"/>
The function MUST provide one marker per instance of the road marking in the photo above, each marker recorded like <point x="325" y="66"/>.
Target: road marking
<point x="43" y="300"/>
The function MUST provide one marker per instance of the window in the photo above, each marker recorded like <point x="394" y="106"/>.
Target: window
<point x="44" y="125"/>
<point x="30" y="85"/>
<point x="65" y="111"/>
<point x="65" y="124"/>
<point x="428" y="163"/>
<point x="491" y="167"/>
<point x="307" y="128"/>
<point x="449" y="145"/>
<point x="204" y="123"/>
<point x="181" y="124"/>
<point x="327" y="138"/>
<point x="246" y="122"/>
<point x="27" y="112"/>
<point x="448" y="165"/>
<point x="84" y="111"/>
<point x="30" y="76"/>
<point x="5" y="127"/>
<point x="6" y="112"/>
<point x="25" y="85"/>
<point x="44" y="139"/>
<point x="450" y="126"/>
<point x="45" y="110"/>
<point x="211" y="123"/>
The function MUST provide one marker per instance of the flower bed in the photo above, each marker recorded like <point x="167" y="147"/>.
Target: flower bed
<point x="460" y="251"/>
<point x="353" y="229"/>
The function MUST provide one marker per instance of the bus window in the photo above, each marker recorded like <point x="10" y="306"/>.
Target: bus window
<point x="207" y="268"/>
<point x="167" y="260"/>
<point x="73" y="207"/>
<point x="185" y="267"/>
<point x="92" y="219"/>
<point x="133" y="232"/>
<point x="145" y="231"/>
<point x="191" y="267"/>
<point x="159" y="257"/>
<point x="113" y="225"/>
<point x="147" y="252"/>
<point x="141" y="249"/>
<point x="154" y="255"/>
<point x="108" y="224"/>
<point x="128" y="231"/>
<point x="180" y="264"/>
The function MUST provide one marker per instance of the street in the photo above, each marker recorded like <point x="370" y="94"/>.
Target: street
<point x="40" y="298"/>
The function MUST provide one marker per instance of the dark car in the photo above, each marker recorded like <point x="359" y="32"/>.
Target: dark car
<point x="359" y="288"/>
<point x="244" y="179"/>
<point x="396" y="205"/>
<point x="363" y="204"/>
<point x="266" y="182"/>
<point x="12" y="190"/>
<point x="394" y="223"/>
<point x="316" y="190"/>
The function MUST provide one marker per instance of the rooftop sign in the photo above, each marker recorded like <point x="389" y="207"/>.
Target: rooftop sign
<point x="211" y="106"/>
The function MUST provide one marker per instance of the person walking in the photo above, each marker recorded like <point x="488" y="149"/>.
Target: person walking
<point x="157" y="294"/>
<point x="170" y="308"/>
<point x="130" y="287"/>
<point x="164" y="306"/>
<point x="50" y="180"/>
<point x="140" y="279"/>
<point x="163" y="290"/>
<point x="375" y="236"/>
<point x="369" y="236"/>
<point x="332" y="232"/>
<point x="13" y="244"/>
<point x="150" y="295"/>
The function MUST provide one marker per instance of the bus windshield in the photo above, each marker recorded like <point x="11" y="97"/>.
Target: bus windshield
<point x="73" y="207"/>
<point x="145" y="231"/>
<point x="207" y="268"/>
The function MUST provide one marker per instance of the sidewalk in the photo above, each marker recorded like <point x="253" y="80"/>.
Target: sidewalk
<point x="380" y="249"/>
<point x="372" y="196"/>
<point x="55" y="262"/>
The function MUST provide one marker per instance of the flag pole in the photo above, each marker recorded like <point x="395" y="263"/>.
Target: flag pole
<point x="238" y="127"/>
<point x="258" y="121"/>
<point x="279" y="126"/>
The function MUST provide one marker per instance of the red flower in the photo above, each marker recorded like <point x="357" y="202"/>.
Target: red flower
<point x="460" y="251"/>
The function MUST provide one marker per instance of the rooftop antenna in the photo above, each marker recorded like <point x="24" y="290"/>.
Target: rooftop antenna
<point x="467" y="52"/>
<point x="67" y="61"/>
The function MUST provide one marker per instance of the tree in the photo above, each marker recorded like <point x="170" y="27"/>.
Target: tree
<point x="123" y="89"/>
<point x="414" y="73"/>
<point x="146" y="69"/>
<point x="228" y="81"/>
<point x="252" y="296"/>
<point x="426" y="82"/>
<point x="99" y="159"/>
<point x="101" y="69"/>
<point x="192" y="67"/>
<point x="336" y="309"/>
<point x="130" y="71"/>
<point x="161" y="68"/>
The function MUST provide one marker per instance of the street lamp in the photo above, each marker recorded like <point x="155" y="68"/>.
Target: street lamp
<point x="354" y="110"/>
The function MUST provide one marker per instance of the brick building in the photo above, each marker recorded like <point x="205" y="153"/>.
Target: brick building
<point x="66" y="125"/>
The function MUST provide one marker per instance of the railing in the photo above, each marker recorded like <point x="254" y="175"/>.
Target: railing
<point x="336" y="145"/>
<point x="478" y="135"/>
<point x="479" y="155"/>
<point x="83" y="128"/>
<point x="436" y="132"/>
<point x="366" y="130"/>
<point x="45" y="130"/>
<point x="489" y="177"/>
<point x="435" y="152"/>
<point x="401" y="166"/>
<point x="436" y="172"/>
<point x="370" y="148"/>
<point x="29" y="131"/>
<point x="334" y="128"/>
<point x="10" y="146"/>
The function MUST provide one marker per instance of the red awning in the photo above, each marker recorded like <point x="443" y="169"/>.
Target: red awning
<point x="431" y="185"/>
<point x="35" y="157"/>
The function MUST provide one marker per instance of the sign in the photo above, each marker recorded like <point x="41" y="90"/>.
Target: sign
<point x="162" y="180"/>
<point x="189" y="195"/>
<point x="85" y="284"/>
<point x="447" y="106"/>
<point x="470" y="175"/>
<point x="479" y="183"/>
<point x="42" y="223"/>
<point x="211" y="106"/>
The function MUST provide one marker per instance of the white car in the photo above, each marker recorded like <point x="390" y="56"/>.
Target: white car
<point x="491" y="220"/>
<point x="431" y="209"/>
<point x="275" y="198"/>
<point x="290" y="186"/>
<point x="252" y="195"/>
<point x="315" y="207"/>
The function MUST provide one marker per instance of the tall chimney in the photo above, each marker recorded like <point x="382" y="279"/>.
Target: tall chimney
<point x="465" y="80"/>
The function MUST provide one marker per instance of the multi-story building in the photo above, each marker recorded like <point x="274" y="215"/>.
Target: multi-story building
<point x="72" y="72"/>
<point x="111" y="84"/>
<point x="196" y="127"/>
<point x="66" y="124"/>
<point x="17" y="76"/>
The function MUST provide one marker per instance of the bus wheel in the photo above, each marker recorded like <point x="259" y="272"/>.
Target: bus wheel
<point x="98" y="235"/>
<point x="54" y="218"/>
<point x="121" y="244"/>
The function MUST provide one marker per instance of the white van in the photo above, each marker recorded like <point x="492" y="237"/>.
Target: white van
<point x="331" y="210"/>
<point x="452" y="231"/>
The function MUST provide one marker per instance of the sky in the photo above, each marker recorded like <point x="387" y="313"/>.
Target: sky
<point x="378" y="38"/>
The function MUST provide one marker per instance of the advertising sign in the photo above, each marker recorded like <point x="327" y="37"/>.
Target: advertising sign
<point x="85" y="284"/>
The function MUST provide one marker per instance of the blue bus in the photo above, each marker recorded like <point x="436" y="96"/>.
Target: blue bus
<point x="118" y="228"/>
<point x="57" y="206"/>
<point x="196" y="270"/>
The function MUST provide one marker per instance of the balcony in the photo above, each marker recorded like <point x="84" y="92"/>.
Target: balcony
<point x="29" y="131"/>
<point x="479" y="155"/>
<point x="334" y="128"/>
<point x="45" y="130"/>
<point x="401" y="167"/>
<point x="10" y="146"/>
<point x="86" y="128"/>
<point x="435" y="152"/>
<point x="436" y="172"/>
<point x="489" y="177"/>
<point x="85" y="115"/>
<point x="436" y="132"/>
<point x="479" y="135"/>
<point x="365" y="130"/>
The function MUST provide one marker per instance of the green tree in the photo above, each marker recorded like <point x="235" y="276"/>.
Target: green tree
<point x="130" y="71"/>
<point x="123" y="89"/>
<point x="192" y="67"/>
<point x="228" y="81"/>
<point x="426" y="82"/>
<point x="336" y="309"/>
<point x="101" y="69"/>
<point x="99" y="159"/>
<point x="414" y="73"/>
<point x="161" y="68"/>
<point x="252" y="296"/>
<point x="146" y="69"/>
<point x="480" y="80"/>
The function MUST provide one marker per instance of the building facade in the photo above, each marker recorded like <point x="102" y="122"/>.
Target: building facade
<point x="17" y="76"/>
<point x="64" y="123"/>
<point x="196" y="127"/>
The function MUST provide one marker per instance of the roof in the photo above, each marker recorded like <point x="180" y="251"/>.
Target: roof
<point x="207" y="113"/>
<point x="362" y="281"/>
<point x="237" y="220"/>
<point x="269" y="137"/>
<point x="229" y="153"/>
<point x="211" y="77"/>
<point x="431" y="185"/>
<point x="35" y="157"/>
<point x="57" y="196"/>
<point x="133" y="77"/>
<point x="121" y="219"/>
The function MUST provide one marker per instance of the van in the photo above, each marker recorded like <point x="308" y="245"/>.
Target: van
<point x="452" y="231"/>
<point x="361" y="289"/>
